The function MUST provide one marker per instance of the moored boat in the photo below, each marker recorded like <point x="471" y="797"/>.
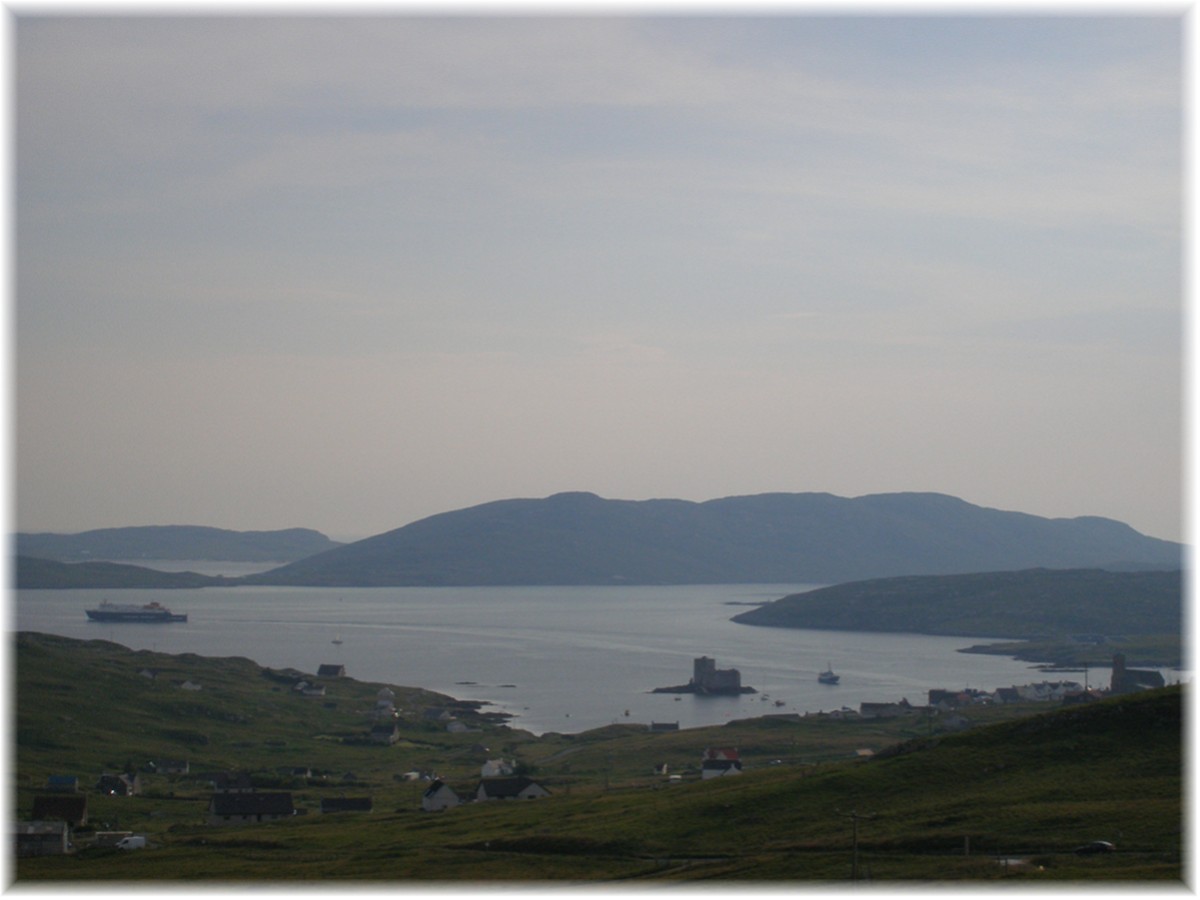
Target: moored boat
<point x="153" y="611"/>
<point x="827" y="677"/>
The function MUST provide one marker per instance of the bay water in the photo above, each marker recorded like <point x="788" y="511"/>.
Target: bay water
<point x="560" y="659"/>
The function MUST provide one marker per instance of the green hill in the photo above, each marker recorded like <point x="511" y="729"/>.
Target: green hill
<point x="579" y="538"/>
<point x="1025" y="604"/>
<point x="1007" y="800"/>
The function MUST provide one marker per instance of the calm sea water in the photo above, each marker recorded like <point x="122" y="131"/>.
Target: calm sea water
<point x="558" y="658"/>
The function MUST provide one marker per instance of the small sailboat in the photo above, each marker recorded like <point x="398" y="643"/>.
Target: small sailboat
<point x="337" y="639"/>
<point x="828" y="677"/>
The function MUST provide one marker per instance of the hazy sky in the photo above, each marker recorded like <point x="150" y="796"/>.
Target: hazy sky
<point x="347" y="273"/>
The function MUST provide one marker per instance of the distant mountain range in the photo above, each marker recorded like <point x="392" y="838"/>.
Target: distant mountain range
<point x="33" y="573"/>
<point x="187" y="542"/>
<point x="583" y="539"/>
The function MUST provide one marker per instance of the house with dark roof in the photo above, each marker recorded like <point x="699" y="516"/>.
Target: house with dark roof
<point x="1125" y="680"/>
<point x="345" y="804"/>
<point x="516" y="787"/>
<point x="331" y="670"/>
<point x="69" y="808"/>
<point x="64" y="784"/>
<point x="226" y="809"/>
<point x="121" y="785"/>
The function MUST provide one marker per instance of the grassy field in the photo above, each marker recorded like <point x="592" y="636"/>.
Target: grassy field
<point x="1006" y="800"/>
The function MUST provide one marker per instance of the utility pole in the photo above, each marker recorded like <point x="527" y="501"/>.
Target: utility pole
<point x="855" y="815"/>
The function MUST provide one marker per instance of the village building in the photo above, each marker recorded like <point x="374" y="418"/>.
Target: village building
<point x="63" y="784"/>
<point x="69" y="808"/>
<point x="122" y="785"/>
<point x="720" y="761"/>
<point x="191" y="686"/>
<point x="663" y="726"/>
<point x="869" y="710"/>
<point x="385" y="704"/>
<point x="331" y="670"/>
<point x="494" y="767"/>
<point x="439" y="796"/>
<point x="1126" y="680"/>
<point x="1044" y="691"/>
<point x="509" y="788"/>
<point x="42" y="838"/>
<point x="944" y="699"/>
<point x="227" y="808"/>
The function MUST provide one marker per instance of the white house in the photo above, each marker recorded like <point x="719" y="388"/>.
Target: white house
<point x="439" y="796"/>
<point x="385" y="704"/>
<point x="43" y="838"/>
<point x="495" y="767"/>
<point x="1048" y="690"/>
<point x="719" y="761"/>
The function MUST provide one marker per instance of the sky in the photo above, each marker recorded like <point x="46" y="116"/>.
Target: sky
<point x="345" y="273"/>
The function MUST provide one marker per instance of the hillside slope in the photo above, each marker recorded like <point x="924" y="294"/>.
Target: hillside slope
<point x="1025" y="604"/>
<point x="1029" y="789"/>
<point x="579" y="538"/>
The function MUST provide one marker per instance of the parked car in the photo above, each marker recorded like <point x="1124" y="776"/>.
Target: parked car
<point x="133" y="842"/>
<point x="1095" y="847"/>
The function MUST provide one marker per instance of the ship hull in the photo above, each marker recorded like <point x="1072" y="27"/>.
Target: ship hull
<point x="99" y="615"/>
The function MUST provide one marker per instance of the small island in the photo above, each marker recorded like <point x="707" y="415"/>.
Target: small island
<point x="708" y="680"/>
